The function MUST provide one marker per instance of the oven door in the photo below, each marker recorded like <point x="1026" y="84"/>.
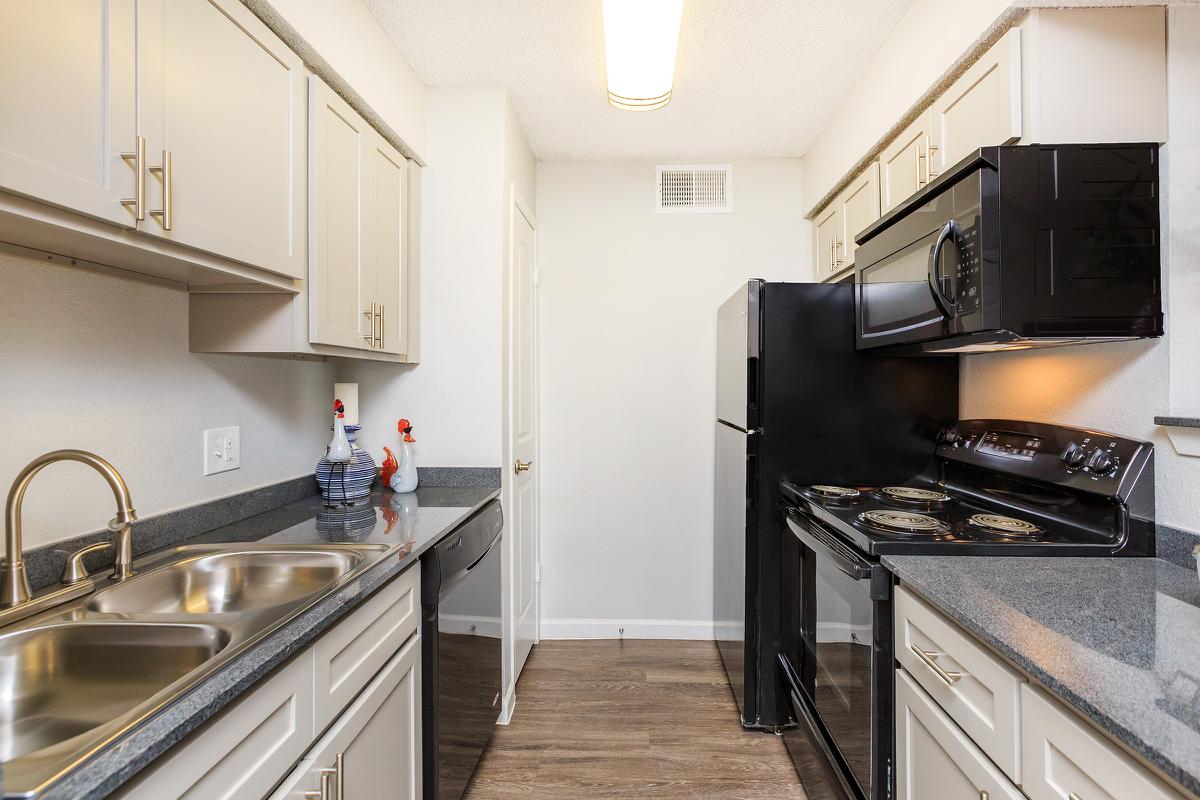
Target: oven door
<point x="846" y="642"/>
<point x="920" y="278"/>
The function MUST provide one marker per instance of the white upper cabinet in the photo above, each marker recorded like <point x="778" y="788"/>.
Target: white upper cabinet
<point x="904" y="164"/>
<point x="68" y="104"/>
<point x="387" y="179"/>
<point x="860" y="208"/>
<point x="981" y="108"/>
<point x="224" y="100"/>
<point x="339" y="290"/>
<point x="828" y="239"/>
<point x="358" y="276"/>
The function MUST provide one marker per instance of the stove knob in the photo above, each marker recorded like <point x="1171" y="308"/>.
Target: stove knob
<point x="949" y="436"/>
<point x="1074" y="455"/>
<point x="1099" y="461"/>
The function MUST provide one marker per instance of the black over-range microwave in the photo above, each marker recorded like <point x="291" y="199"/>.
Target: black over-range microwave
<point x="1017" y="247"/>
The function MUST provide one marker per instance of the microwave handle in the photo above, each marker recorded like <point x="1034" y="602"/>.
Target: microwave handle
<point x="947" y="305"/>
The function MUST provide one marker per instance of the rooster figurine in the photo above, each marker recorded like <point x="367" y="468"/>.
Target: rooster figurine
<point x="389" y="467"/>
<point x="405" y="477"/>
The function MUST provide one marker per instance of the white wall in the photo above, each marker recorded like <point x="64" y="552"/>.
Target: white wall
<point x="628" y="303"/>
<point x="1121" y="387"/>
<point x="354" y="43"/>
<point x="453" y="396"/>
<point x="101" y="363"/>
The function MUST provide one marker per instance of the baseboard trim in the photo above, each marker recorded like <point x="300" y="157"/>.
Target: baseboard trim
<point x="627" y="629"/>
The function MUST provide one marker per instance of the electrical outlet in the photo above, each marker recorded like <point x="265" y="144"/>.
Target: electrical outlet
<point x="222" y="449"/>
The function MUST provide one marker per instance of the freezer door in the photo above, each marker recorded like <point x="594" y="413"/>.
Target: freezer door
<point x="729" y="558"/>
<point x="737" y="357"/>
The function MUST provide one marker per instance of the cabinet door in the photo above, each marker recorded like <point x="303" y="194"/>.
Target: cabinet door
<point x="860" y="207"/>
<point x="936" y="759"/>
<point x="1065" y="759"/>
<point x="68" y="103"/>
<point x="374" y="749"/>
<point x="339" y="289"/>
<point x="225" y="98"/>
<point x="829" y="238"/>
<point x="243" y="751"/>
<point x="903" y="164"/>
<point x="983" y="107"/>
<point x="387" y="178"/>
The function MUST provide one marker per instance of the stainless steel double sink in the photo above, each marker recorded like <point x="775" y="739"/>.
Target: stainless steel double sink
<point x="82" y="673"/>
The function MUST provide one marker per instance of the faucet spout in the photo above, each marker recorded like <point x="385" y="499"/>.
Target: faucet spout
<point x="14" y="582"/>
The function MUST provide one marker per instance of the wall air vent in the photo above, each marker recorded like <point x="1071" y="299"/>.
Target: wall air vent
<point x="693" y="189"/>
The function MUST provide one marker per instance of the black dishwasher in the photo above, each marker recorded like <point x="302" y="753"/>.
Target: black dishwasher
<point x="461" y="658"/>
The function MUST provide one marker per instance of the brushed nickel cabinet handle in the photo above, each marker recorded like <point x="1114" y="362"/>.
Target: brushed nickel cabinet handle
<point x="921" y="158"/>
<point x="379" y="341"/>
<point x="522" y="466"/>
<point x="163" y="215"/>
<point x="326" y="790"/>
<point x="837" y="262"/>
<point x="1073" y="796"/>
<point x="339" y="771"/>
<point x="138" y="158"/>
<point x="983" y="795"/>
<point x="929" y="171"/>
<point x="930" y="659"/>
<point x="372" y="315"/>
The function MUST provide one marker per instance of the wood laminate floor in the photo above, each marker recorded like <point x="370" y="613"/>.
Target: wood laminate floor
<point x="629" y="719"/>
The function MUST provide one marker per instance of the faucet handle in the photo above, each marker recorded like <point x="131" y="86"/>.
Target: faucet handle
<point x="75" y="570"/>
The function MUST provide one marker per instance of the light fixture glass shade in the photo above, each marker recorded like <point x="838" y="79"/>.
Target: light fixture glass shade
<point x="641" y="38"/>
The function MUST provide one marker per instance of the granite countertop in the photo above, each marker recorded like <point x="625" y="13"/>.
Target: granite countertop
<point x="1118" y="639"/>
<point x="411" y="523"/>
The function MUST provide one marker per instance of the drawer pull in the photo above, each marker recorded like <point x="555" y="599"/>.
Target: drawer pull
<point x="930" y="659"/>
<point x="983" y="795"/>
<point x="1073" y="796"/>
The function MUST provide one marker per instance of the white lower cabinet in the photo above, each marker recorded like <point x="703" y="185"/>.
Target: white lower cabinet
<point x="358" y="689"/>
<point x="934" y="758"/>
<point x="961" y="711"/>
<point x="242" y="751"/>
<point x="374" y="750"/>
<point x="1066" y="760"/>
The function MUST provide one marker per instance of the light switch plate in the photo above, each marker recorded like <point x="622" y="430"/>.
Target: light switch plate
<point x="222" y="449"/>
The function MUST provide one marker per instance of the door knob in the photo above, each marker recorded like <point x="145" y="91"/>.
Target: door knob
<point x="522" y="466"/>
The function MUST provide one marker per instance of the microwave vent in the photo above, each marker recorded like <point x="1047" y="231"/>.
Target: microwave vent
<point x="694" y="189"/>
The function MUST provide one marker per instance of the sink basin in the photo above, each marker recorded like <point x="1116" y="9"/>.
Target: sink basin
<point x="228" y="582"/>
<point x="60" y="681"/>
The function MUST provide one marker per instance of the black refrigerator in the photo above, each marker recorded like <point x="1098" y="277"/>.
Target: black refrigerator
<point x="797" y="402"/>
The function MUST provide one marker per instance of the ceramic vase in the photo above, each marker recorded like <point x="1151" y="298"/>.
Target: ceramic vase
<point x="405" y="479"/>
<point x="350" y="481"/>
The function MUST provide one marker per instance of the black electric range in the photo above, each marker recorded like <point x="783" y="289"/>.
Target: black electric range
<point x="994" y="487"/>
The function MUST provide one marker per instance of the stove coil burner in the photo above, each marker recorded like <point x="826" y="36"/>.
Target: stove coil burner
<point x="901" y="521"/>
<point x="834" y="492"/>
<point x="1004" y="527"/>
<point x="911" y="494"/>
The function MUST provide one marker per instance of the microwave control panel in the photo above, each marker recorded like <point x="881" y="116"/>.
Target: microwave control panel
<point x="967" y="278"/>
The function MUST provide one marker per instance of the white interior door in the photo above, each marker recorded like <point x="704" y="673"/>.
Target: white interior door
<point x="523" y="513"/>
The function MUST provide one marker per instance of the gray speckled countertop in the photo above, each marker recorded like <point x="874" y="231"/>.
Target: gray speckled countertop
<point x="412" y="527"/>
<point x="1118" y="639"/>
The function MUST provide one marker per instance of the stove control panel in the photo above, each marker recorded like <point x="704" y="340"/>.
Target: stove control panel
<point x="1091" y="461"/>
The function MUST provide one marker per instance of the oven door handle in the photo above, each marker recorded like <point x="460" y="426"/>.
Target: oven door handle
<point x="947" y="305"/>
<point x="839" y="554"/>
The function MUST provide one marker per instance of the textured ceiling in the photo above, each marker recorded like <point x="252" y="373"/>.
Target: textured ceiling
<point x="753" y="77"/>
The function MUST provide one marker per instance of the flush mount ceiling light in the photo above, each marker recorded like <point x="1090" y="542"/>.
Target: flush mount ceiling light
<point x="640" y="40"/>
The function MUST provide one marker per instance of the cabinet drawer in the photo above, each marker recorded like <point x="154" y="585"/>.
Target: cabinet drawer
<point x="934" y="758"/>
<point x="1065" y="759"/>
<point x="374" y="749"/>
<point x="977" y="690"/>
<point x="243" y="751"/>
<point x="350" y="654"/>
